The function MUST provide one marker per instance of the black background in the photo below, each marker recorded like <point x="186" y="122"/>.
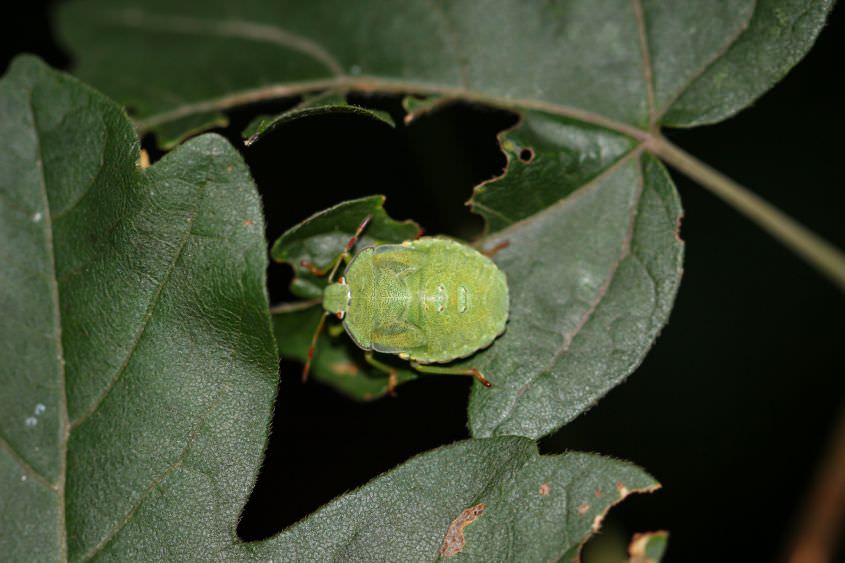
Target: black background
<point x="733" y="408"/>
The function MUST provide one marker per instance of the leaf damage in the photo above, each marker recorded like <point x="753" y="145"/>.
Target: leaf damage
<point x="454" y="541"/>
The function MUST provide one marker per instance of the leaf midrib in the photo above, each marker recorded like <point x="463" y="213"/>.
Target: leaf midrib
<point x="64" y="423"/>
<point x="371" y="83"/>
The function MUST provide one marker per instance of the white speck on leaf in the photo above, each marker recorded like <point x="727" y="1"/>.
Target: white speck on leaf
<point x="23" y="477"/>
<point x="39" y="409"/>
<point x="37" y="217"/>
<point x="30" y="421"/>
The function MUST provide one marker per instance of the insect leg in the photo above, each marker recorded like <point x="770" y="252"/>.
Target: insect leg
<point x="491" y="252"/>
<point x="425" y="368"/>
<point x="313" y="347"/>
<point x="389" y="370"/>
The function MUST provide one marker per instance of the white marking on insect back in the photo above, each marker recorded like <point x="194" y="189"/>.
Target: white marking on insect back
<point x="39" y="409"/>
<point x="36" y="217"/>
<point x="31" y="422"/>
<point x="462" y="299"/>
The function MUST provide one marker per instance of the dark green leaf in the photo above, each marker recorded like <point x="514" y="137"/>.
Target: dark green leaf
<point x="614" y="62"/>
<point x="592" y="276"/>
<point x="548" y="159"/>
<point x="138" y="364"/>
<point x="526" y="507"/>
<point x="777" y="36"/>
<point x="322" y="104"/>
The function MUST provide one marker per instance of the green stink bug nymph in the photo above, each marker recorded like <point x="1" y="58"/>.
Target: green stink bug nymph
<point x="430" y="300"/>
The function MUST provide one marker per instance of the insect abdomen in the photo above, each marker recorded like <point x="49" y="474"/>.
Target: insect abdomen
<point x="459" y="299"/>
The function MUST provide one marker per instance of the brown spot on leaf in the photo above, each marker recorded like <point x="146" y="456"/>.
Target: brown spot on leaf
<point x="583" y="508"/>
<point x="544" y="489"/>
<point x="247" y="222"/>
<point x="623" y="490"/>
<point x="453" y="541"/>
<point x="598" y="492"/>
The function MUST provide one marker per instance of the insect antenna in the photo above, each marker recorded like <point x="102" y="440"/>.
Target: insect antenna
<point x="350" y="244"/>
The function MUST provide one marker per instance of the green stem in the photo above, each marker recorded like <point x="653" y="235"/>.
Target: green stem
<point x="819" y="253"/>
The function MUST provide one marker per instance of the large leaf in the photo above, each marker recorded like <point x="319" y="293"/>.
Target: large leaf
<point x="593" y="265"/>
<point x="613" y="62"/>
<point x="481" y="500"/>
<point x="139" y="371"/>
<point x="138" y="364"/>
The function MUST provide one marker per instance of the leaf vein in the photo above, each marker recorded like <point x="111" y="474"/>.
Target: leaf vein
<point x="648" y="71"/>
<point x="24" y="464"/>
<point x="718" y="54"/>
<point x="148" y="314"/>
<point x="57" y="320"/>
<point x="237" y="29"/>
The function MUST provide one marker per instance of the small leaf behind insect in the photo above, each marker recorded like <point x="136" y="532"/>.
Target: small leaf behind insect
<point x="337" y="361"/>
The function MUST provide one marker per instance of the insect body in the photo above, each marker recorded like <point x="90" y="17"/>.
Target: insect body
<point x="430" y="300"/>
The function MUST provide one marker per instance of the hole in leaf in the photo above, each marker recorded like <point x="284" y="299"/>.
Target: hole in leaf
<point x="526" y="155"/>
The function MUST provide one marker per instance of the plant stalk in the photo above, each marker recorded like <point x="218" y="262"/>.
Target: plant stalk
<point x="819" y="253"/>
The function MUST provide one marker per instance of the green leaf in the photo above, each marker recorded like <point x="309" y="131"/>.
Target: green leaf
<point x="513" y="502"/>
<point x="593" y="265"/>
<point x="139" y="368"/>
<point x="613" y="62"/>
<point x="337" y="360"/>
<point x="322" y="104"/>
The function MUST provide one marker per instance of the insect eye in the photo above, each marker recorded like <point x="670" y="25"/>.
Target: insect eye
<point x="341" y="280"/>
<point x="339" y="315"/>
